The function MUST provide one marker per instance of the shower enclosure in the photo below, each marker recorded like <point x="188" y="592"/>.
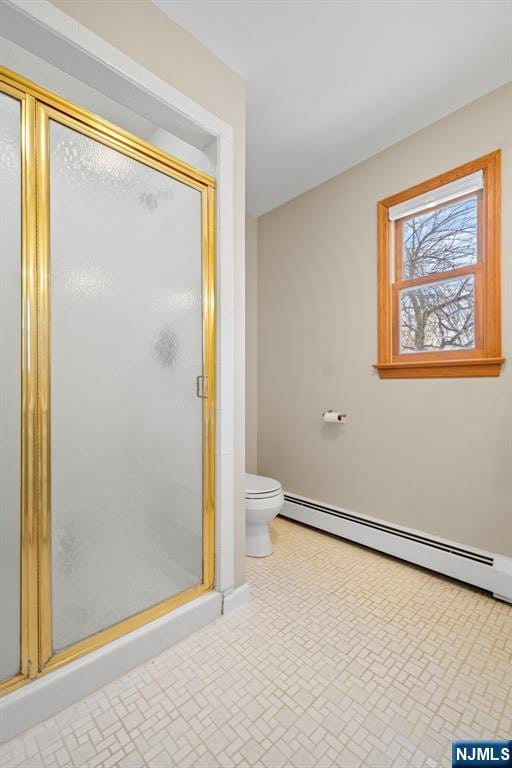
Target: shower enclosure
<point x="107" y="356"/>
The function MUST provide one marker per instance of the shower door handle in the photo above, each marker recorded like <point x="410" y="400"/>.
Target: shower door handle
<point x="202" y="386"/>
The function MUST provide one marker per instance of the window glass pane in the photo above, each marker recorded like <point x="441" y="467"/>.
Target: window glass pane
<point x="438" y="316"/>
<point x="441" y="239"/>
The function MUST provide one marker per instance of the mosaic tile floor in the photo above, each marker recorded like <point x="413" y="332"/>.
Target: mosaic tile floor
<point x="344" y="657"/>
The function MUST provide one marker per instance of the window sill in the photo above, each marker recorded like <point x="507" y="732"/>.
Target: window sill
<point x="441" y="369"/>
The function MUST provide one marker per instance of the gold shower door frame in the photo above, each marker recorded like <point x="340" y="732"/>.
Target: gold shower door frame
<point x="38" y="106"/>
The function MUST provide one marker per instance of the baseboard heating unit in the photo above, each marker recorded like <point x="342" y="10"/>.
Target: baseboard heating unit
<point x="483" y="569"/>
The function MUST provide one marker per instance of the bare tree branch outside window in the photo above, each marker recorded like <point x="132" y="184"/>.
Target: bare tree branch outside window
<point x="439" y="316"/>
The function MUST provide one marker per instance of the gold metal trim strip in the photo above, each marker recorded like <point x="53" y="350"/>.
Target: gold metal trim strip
<point x="43" y="377"/>
<point x="13" y="683"/>
<point x="209" y="370"/>
<point x="30" y="651"/>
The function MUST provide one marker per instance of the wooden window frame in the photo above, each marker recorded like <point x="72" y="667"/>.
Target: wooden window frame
<point x="485" y="358"/>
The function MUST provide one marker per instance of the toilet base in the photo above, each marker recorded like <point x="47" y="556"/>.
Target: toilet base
<point x="258" y="514"/>
<point x="257" y="540"/>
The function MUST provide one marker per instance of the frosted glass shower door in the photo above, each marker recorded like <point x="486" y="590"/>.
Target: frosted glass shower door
<point x="126" y="295"/>
<point x="10" y="384"/>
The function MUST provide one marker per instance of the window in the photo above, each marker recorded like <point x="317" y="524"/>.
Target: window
<point x="439" y="275"/>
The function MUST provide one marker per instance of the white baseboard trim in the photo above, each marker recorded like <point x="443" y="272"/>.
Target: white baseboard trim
<point x="51" y="693"/>
<point x="483" y="569"/>
<point x="504" y="566"/>
<point x="235" y="599"/>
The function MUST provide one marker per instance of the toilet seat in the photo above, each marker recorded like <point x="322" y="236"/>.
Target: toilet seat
<point x="259" y="487"/>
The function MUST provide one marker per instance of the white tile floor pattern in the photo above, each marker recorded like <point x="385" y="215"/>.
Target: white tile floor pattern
<point x="344" y="657"/>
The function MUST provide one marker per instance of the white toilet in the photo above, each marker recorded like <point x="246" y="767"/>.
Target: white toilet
<point x="264" y="499"/>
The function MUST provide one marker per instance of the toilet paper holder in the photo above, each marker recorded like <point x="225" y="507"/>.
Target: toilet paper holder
<point x="333" y="417"/>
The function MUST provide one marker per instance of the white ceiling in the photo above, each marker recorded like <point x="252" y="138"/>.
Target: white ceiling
<point x="332" y="82"/>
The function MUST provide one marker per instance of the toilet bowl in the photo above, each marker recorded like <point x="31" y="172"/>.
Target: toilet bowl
<point x="264" y="499"/>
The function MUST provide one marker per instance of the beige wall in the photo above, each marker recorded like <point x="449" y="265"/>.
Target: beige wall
<point x="430" y="454"/>
<point x="251" y="344"/>
<point x="146" y="34"/>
